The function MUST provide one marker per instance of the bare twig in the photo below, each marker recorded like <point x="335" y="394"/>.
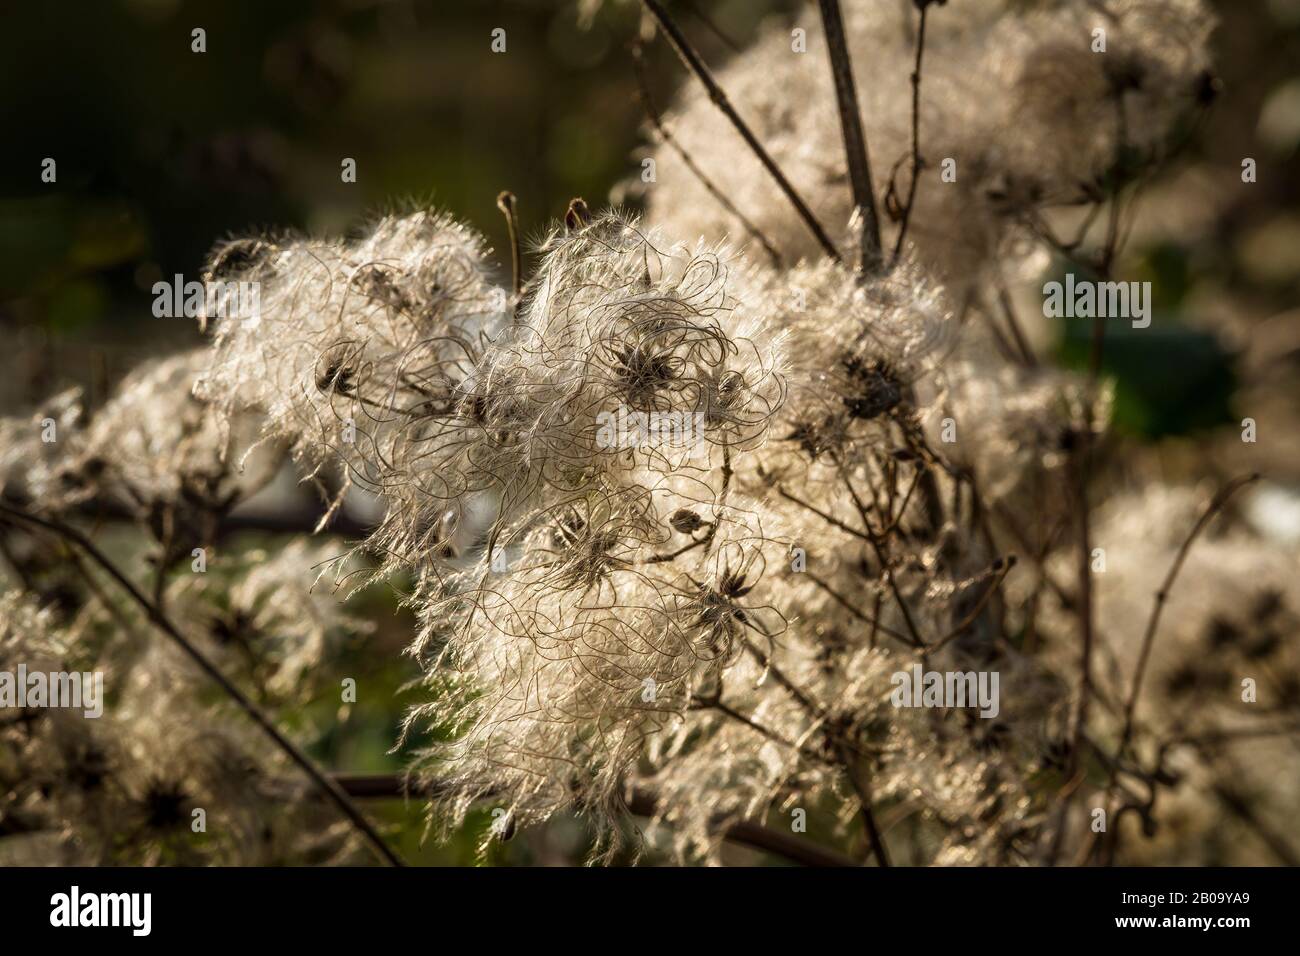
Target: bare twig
<point x="886" y="567"/>
<point x="656" y="120"/>
<point x="506" y="203"/>
<point x="1084" y="609"/>
<point x="814" y="709"/>
<point x="1000" y="568"/>
<point x="862" y="616"/>
<point x="1162" y="596"/>
<point x="719" y="98"/>
<point x="164" y="624"/>
<point x="855" y="143"/>
<point x="916" y="138"/>
<point x="1114" y="766"/>
<point x="862" y="786"/>
<point x="711" y="25"/>
<point x="1008" y="310"/>
<point x="1082" y="474"/>
<point x="729" y="711"/>
<point x="1149" y="636"/>
<point x="292" y="520"/>
<point x="829" y="519"/>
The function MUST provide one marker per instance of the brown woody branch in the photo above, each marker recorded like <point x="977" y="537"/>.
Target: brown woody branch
<point x="855" y="142"/>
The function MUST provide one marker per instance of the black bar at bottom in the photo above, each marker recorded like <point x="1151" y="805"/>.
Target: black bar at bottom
<point x="440" y="907"/>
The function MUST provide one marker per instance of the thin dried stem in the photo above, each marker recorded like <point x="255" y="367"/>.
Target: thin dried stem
<point x="865" y="618"/>
<point x="719" y="98"/>
<point x="862" y="786"/>
<point x="1216" y="505"/>
<point x="916" y="138"/>
<point x="882" y="556"/>
<point x="656" y="120"/>
<point x="1001" y="567"/>
<point x="805" y="699"/>
<point x="1084" y="609"/>
<point x="829" y="519"/>
<point x="164" y="624"/>
<point x="712" y="26"/>
<point x="1009" y="312"/>
<point x="507" y="204"/>
<point x="855" y="142"/>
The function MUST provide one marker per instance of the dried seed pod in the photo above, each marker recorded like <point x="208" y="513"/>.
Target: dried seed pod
<point x="685" y="521"/>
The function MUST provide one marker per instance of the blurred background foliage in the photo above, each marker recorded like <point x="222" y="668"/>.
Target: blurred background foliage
<point x="162" y="151"/>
